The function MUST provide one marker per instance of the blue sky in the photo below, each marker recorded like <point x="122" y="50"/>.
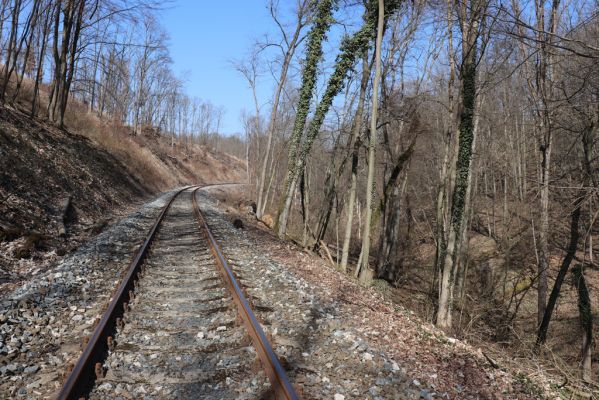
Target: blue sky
<point x="205" y="36"/>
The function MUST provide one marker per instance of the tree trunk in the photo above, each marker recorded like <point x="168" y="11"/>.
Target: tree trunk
<point x="11" y="52"/>
<point x="261" y="200"/>
<point x="586" y="322"/>
<point x="543" y="233"/>
<point x="570" y="254"/>
<point x="59" y="56"/>
<point x="69" y="71"/>
<point x="459" y="202"/>
<point x="447" y="167"/>
<point x="40" y="65"/>
<point x="355" y="138"/>
<point x="27" y="39"/>
<point x="366" y="273"/>
<point x="543" y="80"/>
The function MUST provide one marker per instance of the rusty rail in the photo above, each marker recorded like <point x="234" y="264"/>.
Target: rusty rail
<point x="281" y="386"/>
<point x="83" y="376"/>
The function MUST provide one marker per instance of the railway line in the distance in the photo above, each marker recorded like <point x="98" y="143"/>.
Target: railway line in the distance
<point x="178" y="324"/>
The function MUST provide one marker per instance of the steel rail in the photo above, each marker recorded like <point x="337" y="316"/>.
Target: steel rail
<point x="84" y="374"/>
<point x="281" y="386"/>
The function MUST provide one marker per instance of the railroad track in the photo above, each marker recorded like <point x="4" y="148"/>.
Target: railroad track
<point x="178" y="324"/>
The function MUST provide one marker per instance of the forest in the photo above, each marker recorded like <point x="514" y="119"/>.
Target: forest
<point x="447" y="152"/>
<point x="442" y="150"/>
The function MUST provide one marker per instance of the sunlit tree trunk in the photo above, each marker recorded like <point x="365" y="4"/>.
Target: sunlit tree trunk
<point x="355" y="139"/>
<point x="366" y="273"/>
<point x="448" y="164"/>
<point x="471" y="14"/>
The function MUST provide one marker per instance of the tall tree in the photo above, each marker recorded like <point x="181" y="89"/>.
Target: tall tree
<point x="65" y="55"/>
<point x="323" y="17"/>
<point x="365" y="271"/>
<point x="288" y="46"/>
<point x="351" y="49"/>
<point x="356" y="141"/>
<point x="471" y="14"/>
<point x="540" y="76"/>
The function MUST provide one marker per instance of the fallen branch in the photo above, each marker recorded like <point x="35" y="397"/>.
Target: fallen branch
<point x="323" y="246"/>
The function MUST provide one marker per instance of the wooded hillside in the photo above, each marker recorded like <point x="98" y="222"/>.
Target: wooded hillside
<point x="454" y="160"/>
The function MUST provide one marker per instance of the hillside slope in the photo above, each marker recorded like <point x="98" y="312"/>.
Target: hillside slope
<point x="101" y="169"/>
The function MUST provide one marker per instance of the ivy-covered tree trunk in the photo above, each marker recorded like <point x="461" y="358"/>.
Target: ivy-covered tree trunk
<point x="322" y="22"/>
<point x="351" y="49"/>
<point x="457" y="221"/>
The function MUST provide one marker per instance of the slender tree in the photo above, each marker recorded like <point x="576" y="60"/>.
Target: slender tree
<point x="365" y="271"/>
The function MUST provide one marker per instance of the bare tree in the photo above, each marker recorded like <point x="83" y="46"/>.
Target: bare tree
<point x="288" y="46"/>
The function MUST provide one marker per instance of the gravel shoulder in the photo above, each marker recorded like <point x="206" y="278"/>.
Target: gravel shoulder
<point x="325" y="358"/>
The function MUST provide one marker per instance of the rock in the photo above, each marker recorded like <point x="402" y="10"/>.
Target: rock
<point x="367" y="356"/>
<point x="140" y="390"/>
<point x="425" y="394"/>
<point x="105" y="386"/>
<point x="338" y="396"/>
<point x="31" y="370"/>
<point x="382" y="381"/>
<point x="12" y="367"/>
<point x="77" y="317"/>
<point x="33" y="385"/>
<point x="267" y="220"/>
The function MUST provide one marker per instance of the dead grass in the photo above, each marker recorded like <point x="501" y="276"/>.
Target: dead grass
<point x="115" y="139"/>
<point x="150" y="159"/>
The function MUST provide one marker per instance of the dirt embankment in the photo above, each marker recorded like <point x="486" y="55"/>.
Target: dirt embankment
<point x="58" y="187"/>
